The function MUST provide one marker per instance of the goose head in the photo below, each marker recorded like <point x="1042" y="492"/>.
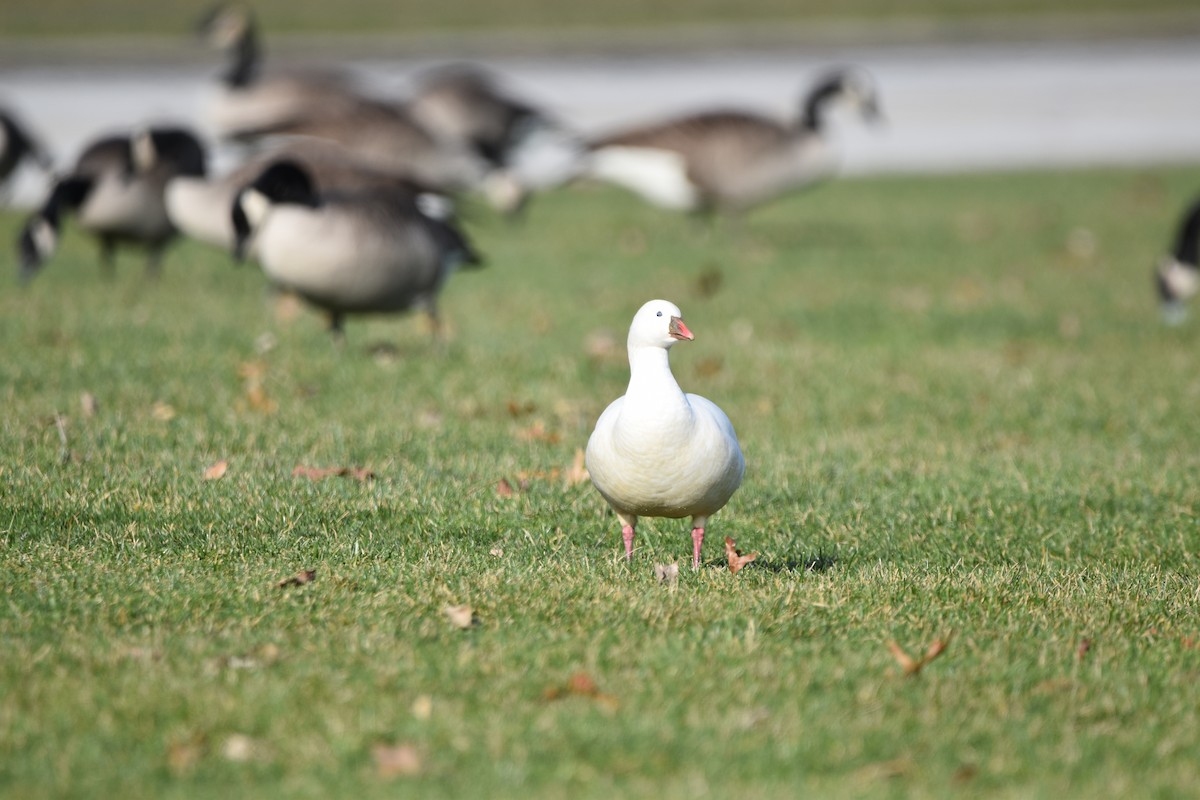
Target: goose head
<point x="284" y="182"/>
<point x="658" y="323"/>
<point x="1177" y="276"/>
<point x="176" y="149"/>
<point x="851" y="87"/>
<point x="224" y="26"/>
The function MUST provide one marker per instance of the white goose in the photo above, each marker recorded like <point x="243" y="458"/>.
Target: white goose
<point x="657" y="452"/>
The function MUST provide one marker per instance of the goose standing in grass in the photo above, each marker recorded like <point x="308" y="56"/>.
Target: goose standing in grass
<point x="372" y="250"/>
<point x="657" y="452"/>
<point x="1178" y="274"/>
<point x="17" y="146"/>
<point x="247" y="98"/>
<point x="731" y="161"/>
<point x="467" y="104"/>
<point x="200" y="206"/>
<point x="115" y="191"/>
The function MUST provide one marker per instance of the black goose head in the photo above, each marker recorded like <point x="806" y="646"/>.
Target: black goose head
<point x="851" y="84"/>
<point x="178" y="150"/>
<point x="231" y="27"/>
<point x="284" y="182"/>
<point x="39" y="238"/>
<point x="1177" y="276"/>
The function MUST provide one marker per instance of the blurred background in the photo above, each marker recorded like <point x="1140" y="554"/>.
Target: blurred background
<point x="965" y="84"/>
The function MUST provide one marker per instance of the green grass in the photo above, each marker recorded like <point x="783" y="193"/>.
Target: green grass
<point x="87" y="17"/>
<point x="955" y="400"/>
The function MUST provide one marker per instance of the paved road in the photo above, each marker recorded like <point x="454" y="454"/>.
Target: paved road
<point x="989" y="106"/>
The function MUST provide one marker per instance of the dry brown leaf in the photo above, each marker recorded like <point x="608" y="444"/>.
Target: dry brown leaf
<point x="163" y="412"/>
<point x="709" y="282"/>
<point x="216" y="471"/>
<point x="537" y="433"/>
<point x="577" y="473"/>
<point x="709" y="367"/>
<point x="422" y="707"/>
<point x="581" y="684"/>
<point x="667" y="573"/>
<point x="1084" y="646"/>
<point x="395" y="761"/>
<point x="318" y="473"/>
<point x="183" y="754"/>
<point x="462" y="617"/>
<point x="913" y="666"/>
<point x="735" y="557"/>
<point x="299" y="579"/>
<point x="498" y="552"/>
<point x="516" y="409"/>
<point x="504" y="488"/>
<point x="88" y="404"/>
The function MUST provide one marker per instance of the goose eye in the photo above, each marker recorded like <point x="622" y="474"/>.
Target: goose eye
<point x="659" y="314"/>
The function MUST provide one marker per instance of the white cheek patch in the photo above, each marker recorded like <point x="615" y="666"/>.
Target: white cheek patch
<point x="435" y="206"/>
<point x="255" y="206"/>
<point x="45" y="239"/>
<point x="1182" y="280"/>
<point x="144" y="154"/>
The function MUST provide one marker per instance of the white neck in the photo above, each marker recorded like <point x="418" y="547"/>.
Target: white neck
<point x="650" y="377"/>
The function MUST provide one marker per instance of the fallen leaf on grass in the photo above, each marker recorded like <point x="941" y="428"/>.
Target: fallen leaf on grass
<point x="299" y="579"/>
<point x="163" y="412"/>
<point x="913" y="666"/>
<point x="395" y="761"/>
<point x="504" y="488"/>
<point x="667" y="573"/>
<point x="183" y="754"/>
<point x="498" y="552"/>
<point x="216" y="471"/>
<point x="516" y="409"/>
<point x="462" y="617"/>
<point x="735" y="557"/>
<point x="1084" y="646"/>
<point x="88" y="404"/>
<point x="581" y="685"/>
<point x="319" y="473"/>
<point x="252" y="374"/>
<point x="537" y="433"/>
<point x="577" y="473"/>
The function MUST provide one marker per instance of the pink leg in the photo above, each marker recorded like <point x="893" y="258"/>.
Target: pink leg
<point x="697" y="541"/>
<point x="627" y="535"/>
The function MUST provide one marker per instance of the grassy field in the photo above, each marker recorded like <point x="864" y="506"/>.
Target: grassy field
<point x="89" y="17"/>
<point x="961" y="419"/>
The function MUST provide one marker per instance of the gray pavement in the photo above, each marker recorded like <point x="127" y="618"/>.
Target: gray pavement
<point x="949" y="107"/>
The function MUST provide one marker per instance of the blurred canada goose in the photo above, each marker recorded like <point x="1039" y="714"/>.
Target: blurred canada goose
<point x="115" y="191"/>
<point x="1178" y="274"/>
<point x="386" y="135"/>
<point x="200" y="207"/>
<point x="346" y="252"/>
<point x="466" y="104"/>
<point x="730" y="160"/>
<point x="17" y="145"/>
<point x="248" y="99"/>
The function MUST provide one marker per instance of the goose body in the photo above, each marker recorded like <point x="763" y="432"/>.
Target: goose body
<point x="729" y="161"/>
<point x="347" y="252"/>
<point x="1177" y="276"/>
<point x="199" y="206"/>
<point x="386" y="135"/>
<point x="115" y="191"/>
<point x="657" y="451"/>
